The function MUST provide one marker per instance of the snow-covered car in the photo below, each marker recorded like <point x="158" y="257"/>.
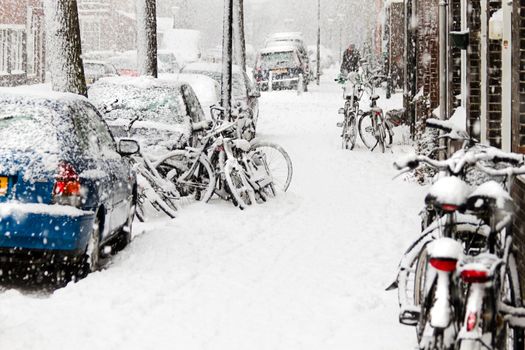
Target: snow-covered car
<point x="213" y="55"/>
<point x="208" y="91"/>
<point x="126" y="63"/>
<point x="291" y="39"/>
<point x="167" y="62"/>
<point x="158" y="113"/>
<point x="66" y="188"/>
<point x="243" y="90"/>
<point x="283" y="66"/>
<point x="94" y="70"/>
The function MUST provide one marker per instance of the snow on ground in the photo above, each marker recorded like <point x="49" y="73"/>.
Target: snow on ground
<point x="306" y="270"/>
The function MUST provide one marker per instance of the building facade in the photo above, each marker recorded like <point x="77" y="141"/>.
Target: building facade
<point x="106" y="25"/>
<point x="22" y="42"/>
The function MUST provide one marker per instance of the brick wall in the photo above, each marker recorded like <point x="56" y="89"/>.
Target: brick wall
<point x="494" y="84"/>
<point x="474" y="69"/>
<point x="427" y="42"/>
<point x="397" y="32"/>
<point x="454" y="57"/>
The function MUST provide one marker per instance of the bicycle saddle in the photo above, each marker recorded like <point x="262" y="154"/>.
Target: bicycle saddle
<point x="448" y="194"/>
<point x="374" y="97"/>
<point x="488" y="197"/>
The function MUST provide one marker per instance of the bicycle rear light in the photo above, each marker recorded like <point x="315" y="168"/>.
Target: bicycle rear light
<point x="443" y="264"/>
<point x="449" y="208"/>
<point x="475" y="276"/>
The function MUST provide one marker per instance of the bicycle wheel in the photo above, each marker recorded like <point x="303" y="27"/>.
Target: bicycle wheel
<point x="277" y="160"/>
<point x="510" y="338"/>
<point x="366" y="131"/>
<point x="149" y="197"/>
<point x="350" y="132"/>
<point x="238" y="185"/>
<point x="192" y="180"/>
<point x="420" y="278"/>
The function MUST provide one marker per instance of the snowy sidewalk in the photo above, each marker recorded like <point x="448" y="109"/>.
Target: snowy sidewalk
<point x="304" y="271"/>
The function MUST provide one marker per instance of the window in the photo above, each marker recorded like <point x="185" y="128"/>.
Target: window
<point x="34" y="44"/>
<point x="90" y="34"/>
<point x="17" y="51"/>
<point x="4" y="51"/>
<point x="12" y="51"/>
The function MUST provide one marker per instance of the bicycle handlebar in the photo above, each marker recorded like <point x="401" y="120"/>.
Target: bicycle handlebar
<point x="456" y="163"/>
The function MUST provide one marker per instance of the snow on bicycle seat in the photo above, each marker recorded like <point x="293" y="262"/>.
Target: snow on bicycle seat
<point x="489" y="195"/>
<point x="242" y="144"/>
<point x="448" y="193"/>
<point x="374" y="97"/>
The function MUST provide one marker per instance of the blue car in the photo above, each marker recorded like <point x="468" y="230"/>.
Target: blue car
<point x="66" y="189"/>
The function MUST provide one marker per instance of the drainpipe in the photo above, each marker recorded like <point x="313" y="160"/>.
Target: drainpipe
<point x="443" y="71"/>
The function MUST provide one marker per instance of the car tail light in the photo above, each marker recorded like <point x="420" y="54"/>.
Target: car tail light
<point x="475" y="276"/>
<point x="472" y="319"/>
<point x="449" y="208"/>
<point x="443" y="264"/>
<point x="66" y="190"/>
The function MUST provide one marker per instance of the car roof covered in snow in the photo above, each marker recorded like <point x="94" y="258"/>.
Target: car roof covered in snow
<point x="208" y="67"/>
<point x="38" y="92"/>
<point x="278" y="48"/>
<point x="206" y="88"/>
<point x="142" y="82"/>
<point x="286" y="35"/>
<point x="94" y="62"/>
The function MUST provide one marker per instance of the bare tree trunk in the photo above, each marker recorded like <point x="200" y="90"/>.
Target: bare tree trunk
<point x="239" y="34"/>
<point x="147" y="37"/>
<point x="64" y="48"/>
<point x="226" y="85"/>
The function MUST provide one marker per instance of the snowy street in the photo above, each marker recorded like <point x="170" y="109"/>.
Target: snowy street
<point x="306" y="270"/>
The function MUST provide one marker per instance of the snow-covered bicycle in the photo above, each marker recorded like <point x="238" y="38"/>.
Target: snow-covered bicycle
<point x="374" y="130"/>
<point x="353" y="91"/>
<point x="430" y="294"/>
<point x="228" y="165"/>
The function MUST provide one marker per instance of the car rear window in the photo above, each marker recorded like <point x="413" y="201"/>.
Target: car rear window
<point x="28" y="128"/>
<point x="284" y="59"/>
<point x="158" y="104"/>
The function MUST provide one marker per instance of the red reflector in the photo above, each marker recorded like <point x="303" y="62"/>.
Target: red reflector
<point x="474" y="276"/>
<point x="449" y="208"/>
<point x="471" y="321"/>
<point x="447" y="265"/>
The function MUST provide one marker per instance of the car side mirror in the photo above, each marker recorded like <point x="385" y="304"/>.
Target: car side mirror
<point x="254" y="94"/>
<point x="128" y="147"/>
